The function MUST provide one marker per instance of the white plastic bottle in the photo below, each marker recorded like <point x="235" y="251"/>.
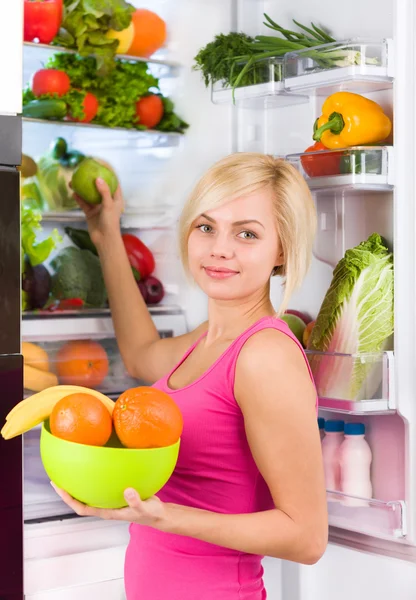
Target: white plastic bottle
<point x="334" y="436"/>
<point x="321" y="425"/>
<point x="355" y="462"/>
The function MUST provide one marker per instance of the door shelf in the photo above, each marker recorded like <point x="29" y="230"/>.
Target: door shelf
<point x="385" y="520"/>
<point x="356" y="65"/>
<point x="264" y="87"/>
<point x="354" y="384"/>
<point x="364" y="168"/>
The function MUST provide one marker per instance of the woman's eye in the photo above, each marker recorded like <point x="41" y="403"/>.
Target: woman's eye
<point x="247" y="235"/>
<point x="205" y="228"/>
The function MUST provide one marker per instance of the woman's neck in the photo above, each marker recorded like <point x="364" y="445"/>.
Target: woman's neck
<point x="228" y="319"/>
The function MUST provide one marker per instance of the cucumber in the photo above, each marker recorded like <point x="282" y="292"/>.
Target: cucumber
<point x="45" y="109"/>
<point x="59" y="148"/>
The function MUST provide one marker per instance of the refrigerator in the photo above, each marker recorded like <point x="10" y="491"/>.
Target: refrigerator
<point x="372" y="548"/>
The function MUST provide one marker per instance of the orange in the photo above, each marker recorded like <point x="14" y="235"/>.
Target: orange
<point x="145" y="417"/>
<point x="149" y="33"/>
<point x="82" y="362"/>
<point x="81" y="418"/>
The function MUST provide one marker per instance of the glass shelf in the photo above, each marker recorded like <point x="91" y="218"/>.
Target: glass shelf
<point x="354" y="384"/>
<point x="159" y="217"/>
<point x="355" y="65"/>
<point x="50" y="49"/>
<point x="364" y="168"/>
<point x="386" y="520"/>
<point x="148" y="137"/>
<point x="265" y="91"/>
<point x="45" y="326"/>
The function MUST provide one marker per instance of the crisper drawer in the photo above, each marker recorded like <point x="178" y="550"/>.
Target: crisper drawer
<point x="82" y="350"/>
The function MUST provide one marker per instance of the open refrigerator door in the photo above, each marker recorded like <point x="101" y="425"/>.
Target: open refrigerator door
<point x="272" y="111"/>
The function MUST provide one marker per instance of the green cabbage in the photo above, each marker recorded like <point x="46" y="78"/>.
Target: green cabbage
<point x="53" y="181"/>
<point x="356" y="318"/>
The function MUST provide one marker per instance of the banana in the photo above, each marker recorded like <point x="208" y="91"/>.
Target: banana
<point x="33" y="410"/>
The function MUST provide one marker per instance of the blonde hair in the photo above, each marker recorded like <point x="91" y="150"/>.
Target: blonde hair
<point x="244" y="173"/>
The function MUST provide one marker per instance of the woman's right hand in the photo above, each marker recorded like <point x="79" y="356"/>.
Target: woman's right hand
<point x="103" y="219"/>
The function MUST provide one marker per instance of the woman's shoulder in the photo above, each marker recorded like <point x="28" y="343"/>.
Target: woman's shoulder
<point x="272" y="349"/>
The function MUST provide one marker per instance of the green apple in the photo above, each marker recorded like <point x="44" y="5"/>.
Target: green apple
<point x="296" y="325"/>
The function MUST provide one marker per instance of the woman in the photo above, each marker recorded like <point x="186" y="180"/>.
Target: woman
<point x="249" y="479"/>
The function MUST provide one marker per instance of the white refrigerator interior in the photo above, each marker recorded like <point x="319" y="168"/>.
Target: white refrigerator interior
<point x="371" y="554"/>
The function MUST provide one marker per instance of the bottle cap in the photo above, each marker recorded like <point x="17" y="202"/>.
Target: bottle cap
<point x="321" y="422"/>
<point x="354" y="429"/>
<point x="334" y="426"/>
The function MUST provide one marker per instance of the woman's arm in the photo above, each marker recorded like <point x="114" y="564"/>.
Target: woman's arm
<point x="277" y="399"/>
<point x="145" y="355"/>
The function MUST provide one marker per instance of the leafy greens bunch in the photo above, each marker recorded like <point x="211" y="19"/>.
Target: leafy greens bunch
<point x="117" y="92"/>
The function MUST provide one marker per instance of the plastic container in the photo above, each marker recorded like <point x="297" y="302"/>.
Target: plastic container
<point x="355" y="458"/>
<point x="321" y="425"/>
<point x="98" y="475"/>
<point x="334" y="436"/>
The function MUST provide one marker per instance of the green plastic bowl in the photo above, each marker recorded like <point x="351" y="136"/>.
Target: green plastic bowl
<point x="98" y="475"/>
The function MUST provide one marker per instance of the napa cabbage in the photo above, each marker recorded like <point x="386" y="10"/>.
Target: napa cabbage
<point x="355" y="319"/>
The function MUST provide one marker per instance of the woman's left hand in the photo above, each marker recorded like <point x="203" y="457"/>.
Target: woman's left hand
<point x="151" y="512"/>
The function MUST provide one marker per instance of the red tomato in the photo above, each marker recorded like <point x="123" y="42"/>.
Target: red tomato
<point x="140" y="257"/>
<point x="50" y="81"/>
<point x="90" y="106"/>
<point x="149" y="110"/>
<point x="321" y="165"/>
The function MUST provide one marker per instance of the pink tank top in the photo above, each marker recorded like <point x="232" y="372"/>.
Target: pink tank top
<point x="216" y="472"/>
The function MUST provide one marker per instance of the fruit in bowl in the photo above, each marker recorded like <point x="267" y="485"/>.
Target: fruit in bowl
<point x="94" y="448"/>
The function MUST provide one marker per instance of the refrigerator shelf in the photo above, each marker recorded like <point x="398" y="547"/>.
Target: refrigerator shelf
<point x="145" y="137"/>
<point x="354" y="384"/>
<point x="377" y="518"/>
<point x="265" y="88"/>
<point x="43" y="326"/>
<point x="364" y="66"/>
<point x="33" y="47"/>
<point x="364" y="168"/>
<point x="158" y="217"/>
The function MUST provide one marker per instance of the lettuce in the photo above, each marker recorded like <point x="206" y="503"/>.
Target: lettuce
<point x="86" y="23"/>
<point x="36" y="251"/>
<point x="356" y="318"/>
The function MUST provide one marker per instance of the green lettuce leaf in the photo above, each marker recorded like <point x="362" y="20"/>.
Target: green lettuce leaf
<point x="36" y="251"/>
<point x="356" y="319"/>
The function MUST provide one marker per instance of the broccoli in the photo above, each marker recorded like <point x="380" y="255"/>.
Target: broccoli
<point x="78" y="274"/>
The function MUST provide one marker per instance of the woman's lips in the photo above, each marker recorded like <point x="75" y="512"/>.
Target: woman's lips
<point x="219" y="272"/>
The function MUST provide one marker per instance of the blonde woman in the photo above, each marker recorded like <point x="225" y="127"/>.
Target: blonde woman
<point x="249" y="479"/>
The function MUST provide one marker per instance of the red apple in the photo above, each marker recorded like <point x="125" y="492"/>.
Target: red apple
<point x="304" y="316"/>
<point x="155" y="291"/>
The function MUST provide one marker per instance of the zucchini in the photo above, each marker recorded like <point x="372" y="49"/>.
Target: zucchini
<point x="81" y="239"/>
<point x="45" y="109"/>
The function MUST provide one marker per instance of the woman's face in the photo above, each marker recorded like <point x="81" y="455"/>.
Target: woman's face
<point x="233" y="249"/>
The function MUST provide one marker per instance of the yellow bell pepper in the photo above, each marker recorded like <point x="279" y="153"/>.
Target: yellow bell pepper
<point x="351" y="120"/>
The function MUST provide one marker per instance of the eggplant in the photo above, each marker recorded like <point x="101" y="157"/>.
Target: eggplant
<point x="37" y="283"/>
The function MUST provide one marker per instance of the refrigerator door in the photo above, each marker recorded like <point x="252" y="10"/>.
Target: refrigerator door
<point x="11" y="376"/>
